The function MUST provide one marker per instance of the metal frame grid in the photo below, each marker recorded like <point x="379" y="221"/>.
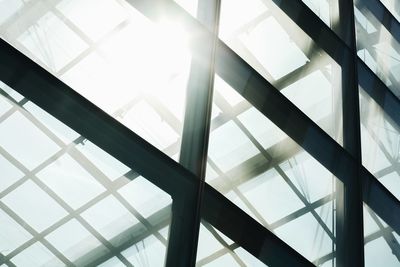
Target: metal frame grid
<point x="195" y="201"/>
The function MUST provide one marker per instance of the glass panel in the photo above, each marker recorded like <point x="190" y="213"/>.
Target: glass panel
<point x="76" y="205"/>
<point x="380" y="139"/>
<point x="381" y="242"/>
<point x="93" y="27"/>
<point x="13" y="235"/>
<point x="377" y="48"/>
<point x="215" y="249"/>
<point x="265" y="173"/>
<point x="279" y="50"/>
<point x="10" y="173"/>
<point x="132" y="68"/>
<point x="36" y="255"/>
<point x="19" y="143"/>
<point x="34" y="206"/>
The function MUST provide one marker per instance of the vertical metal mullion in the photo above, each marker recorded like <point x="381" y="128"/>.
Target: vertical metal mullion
<point x="349" y="205"/>
<point x="185" y="224"/>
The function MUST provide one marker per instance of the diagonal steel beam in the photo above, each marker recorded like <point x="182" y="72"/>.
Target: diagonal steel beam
<point x="382" y="14"/>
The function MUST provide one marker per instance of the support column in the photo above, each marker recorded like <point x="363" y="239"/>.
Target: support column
<point x="349" y="205"/>
<point x="193" y="155"/>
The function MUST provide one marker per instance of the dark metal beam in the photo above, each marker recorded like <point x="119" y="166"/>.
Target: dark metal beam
<point x="246" y="232"/>
<point x="349" y="204"/>
<point x="195" y="135"/>
<point x="383" y="15"/>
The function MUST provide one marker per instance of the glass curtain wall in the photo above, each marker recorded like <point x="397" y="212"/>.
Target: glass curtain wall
<point x="94" y="107"/>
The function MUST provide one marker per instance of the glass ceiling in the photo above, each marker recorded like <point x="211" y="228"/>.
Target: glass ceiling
<point x="257" y="31"/>
<point x="261" y="170"/>
<point x="96" y="53"/>
<point x="377" y="47"/>
<point x="66" y="202"/>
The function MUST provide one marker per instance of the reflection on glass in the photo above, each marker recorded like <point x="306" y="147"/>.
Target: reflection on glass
<point x="380" y="140"/>
<point x="132" y="68"/>
<point x="260" y="169"/>
<point x="280" y="51"/>
<point x="381" y="242"/>
<point x="393" y="6"/>
<point x="215" y="249"/>
<point x="66" y="202"/>
<point x="377" y="47"/>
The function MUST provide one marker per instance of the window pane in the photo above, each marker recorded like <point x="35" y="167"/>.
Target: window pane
<point x="265" y="173"/>
<point x="380" y="140"/>
<point x="381" y="242"/>
<point x="215" y="249"/>
<point x="377" y="48"/>
<point x="134" y="69"/>
<point x="76" y="204"/>
<point x="278" y="49"/>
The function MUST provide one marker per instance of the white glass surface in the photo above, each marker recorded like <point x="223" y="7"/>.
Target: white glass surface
<point x="36" y="255"/>
<point x="66" y="134"/>
<point x="80" y="175"/>
<point x="10" y="173"/>
<point x="54" y="53"/>
<point x="146" y="198"/>
<point x="148" y="252"/>
<point x="12" y="234"/>
<point x="109" y="217"/>
<point x="215" y="249"/>
<point x="380" y="140"/>
<point x="132" y="68"/>
<point x="380" y="241"/>
<point x="111" y="167"/>
<point x="70" y="181"/>
<point x="229" y="152"/>
<point x="19" y="143"/>
<point x="34" y="206"/>
<point x="312" y="241"/>
<point x="109" y="13"/>
<point x="262" y="171"/>
<point x="378" y="48"/>
<point x="4" y="106"/>
<point x="74" y="241"/>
